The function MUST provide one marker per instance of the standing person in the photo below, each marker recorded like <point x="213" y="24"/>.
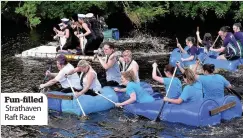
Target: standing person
<point x="71" y="40"/>
<point x="207" y="41"/>
<point x="86" y="30"/>
<point x="88" y="79"/>
<point x="175" y="88"/>
<point x="238" y="33"/>
<point x="113" y="74"/>
<point x="134" y="90"/>
<point x="191" y="93"/>
<point x="64" y="68"/>
<point x="230" y="49"/>
<point x="95" y="25"/>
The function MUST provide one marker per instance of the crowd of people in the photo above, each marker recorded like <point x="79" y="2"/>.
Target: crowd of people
<point x="122" y="73"/>
<point x="83" y="34"/>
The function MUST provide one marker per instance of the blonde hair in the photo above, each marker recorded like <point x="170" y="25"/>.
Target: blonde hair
<point x="128" y="52"/>
<point x="129" y="75"/>
<point x="83" y="63"/>
<point x="190" y="76"/>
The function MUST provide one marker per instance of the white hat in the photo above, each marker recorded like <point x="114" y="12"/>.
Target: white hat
<point x="89" y="15"/>
<point x="81" y="16"/>
<point x="64" y="20"/>
<point x="60" y="24"/>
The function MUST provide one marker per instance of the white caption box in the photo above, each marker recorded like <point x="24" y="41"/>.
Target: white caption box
<point x="24" y="109"/>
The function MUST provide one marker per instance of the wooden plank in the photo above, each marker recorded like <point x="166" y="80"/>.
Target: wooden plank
<point x="222" y="108"/>
<point x="64" y="97"/>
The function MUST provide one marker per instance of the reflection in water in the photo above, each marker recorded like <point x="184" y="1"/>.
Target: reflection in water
<point x="23" y="75"/>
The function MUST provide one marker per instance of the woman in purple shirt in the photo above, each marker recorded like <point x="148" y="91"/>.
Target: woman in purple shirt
<point x="230" y="50"/>
<point x="192" y="51"/>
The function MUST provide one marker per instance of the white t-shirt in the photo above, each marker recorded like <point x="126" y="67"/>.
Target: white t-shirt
<point x="95" y="85"/>
<point x="130" y="66"/>
<point x="74" y="78"/>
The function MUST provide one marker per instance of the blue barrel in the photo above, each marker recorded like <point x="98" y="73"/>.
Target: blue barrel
<point x="194" y="114"/>
<point x="233" y="112"/>
<point x="89" y="103"/>
<point x="115" y="33"/>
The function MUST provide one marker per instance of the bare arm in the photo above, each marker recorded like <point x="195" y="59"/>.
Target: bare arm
<point x="86" y="28"/>
<point x="130" y="100"/>
<point x="109" y="64"/>
<point x="90" y="77"/>
<point x="198" y="37"/>
<point x="188" y="59"/>
<point x="218" y="50"/>
<point x="174" y="101"/>
<point x="155" y="77"/>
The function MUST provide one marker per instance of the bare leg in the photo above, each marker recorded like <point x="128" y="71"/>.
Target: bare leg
<point x="222" y="57"/>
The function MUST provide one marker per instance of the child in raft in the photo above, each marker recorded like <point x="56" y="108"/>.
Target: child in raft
<point x="134" y="90"/>
<point x="175" y="88"/>
<point x="192" y="92"/>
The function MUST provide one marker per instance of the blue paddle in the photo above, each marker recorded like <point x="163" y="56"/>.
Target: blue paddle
<point x="163" y="103"/>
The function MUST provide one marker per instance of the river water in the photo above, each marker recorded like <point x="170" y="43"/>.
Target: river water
<point x="24" y="75"/>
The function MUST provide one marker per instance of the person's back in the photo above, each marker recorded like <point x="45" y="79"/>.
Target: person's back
<point x="213" y="85"/>
<point x="142" y="96"/>
<point x="175" y="88"/>
<point x="192" y="93"/>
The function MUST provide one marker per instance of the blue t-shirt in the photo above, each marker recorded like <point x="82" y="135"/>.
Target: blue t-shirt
<point x="192" y="93"/>
<point x="175" y="88"/>
<point x="213" y="85"/>
<point x="142" y="96"/>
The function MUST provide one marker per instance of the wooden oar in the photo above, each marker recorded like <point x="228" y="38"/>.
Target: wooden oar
<point x="215" y="41"/>
<point x="163" y="103"/>
<point x="84" y="115"/>
<point x="197" y="39"/>
<point x="115" y="103"/>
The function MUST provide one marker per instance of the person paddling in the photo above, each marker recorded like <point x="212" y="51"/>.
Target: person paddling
<point x="176" y="87"/>
<point x="134" y="90"/>
<point x="230" y="49"/>
<point x="192" y="92"/>
<point x="207" y="41"/>
<point x="110" y="64"/>
<point x="238" y="33"/>
<point x="213" y="84"/>
<point x="64" y="67"/>
<point x="88" y="79"/>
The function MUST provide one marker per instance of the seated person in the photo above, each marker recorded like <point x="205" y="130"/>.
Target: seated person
<point x="113" y="74"/>
<point x="175" y="88"/>
<point x="64" y="67"/>
<point x="192" y="92"/>
<point x="230" y="49"/>
<point x="134" y="90"/>
<point x="206" y="42"/>
<point x="88" y="81"/>
<point x="238" y="34"/>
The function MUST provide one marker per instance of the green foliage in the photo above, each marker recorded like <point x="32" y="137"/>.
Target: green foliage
<point x="29" y="11"/>
<point x="139" y="12"/>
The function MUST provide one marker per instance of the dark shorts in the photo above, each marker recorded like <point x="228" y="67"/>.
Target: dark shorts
<point x="104" y="82"/>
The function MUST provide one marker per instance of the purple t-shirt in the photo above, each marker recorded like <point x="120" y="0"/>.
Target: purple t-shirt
<point x="231" y="45"/>
<point x="239" y="37"/>
<point x="193" y="51"/>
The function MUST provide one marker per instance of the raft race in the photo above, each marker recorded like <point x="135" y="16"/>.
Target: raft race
<point x="93" y="72"/>
<point x="204" y="106"/>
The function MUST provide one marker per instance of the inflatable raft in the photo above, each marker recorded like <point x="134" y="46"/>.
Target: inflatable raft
<point x="200" y="113"/>
<point x="89" y="103"/>
<point x="205" y="58"/>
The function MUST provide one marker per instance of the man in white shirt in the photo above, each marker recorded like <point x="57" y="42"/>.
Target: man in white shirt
<point x="64" y="68"/>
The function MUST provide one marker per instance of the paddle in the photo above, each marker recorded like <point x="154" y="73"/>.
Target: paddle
<point x="197" y="39"/>
<point x="84" y="115"/>
<point x="234" y="92"/>
<point x="115" y="103"/>
<point x="163" y="103"/>
<point x="45" y="78"/>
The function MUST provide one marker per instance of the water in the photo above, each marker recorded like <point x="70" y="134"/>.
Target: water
<point x="24" y="75"/>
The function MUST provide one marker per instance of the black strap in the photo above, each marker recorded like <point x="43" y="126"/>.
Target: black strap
<point x="82" y="77"/>
<point x="109" y="57"/>
<point x="126" y="67"/>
